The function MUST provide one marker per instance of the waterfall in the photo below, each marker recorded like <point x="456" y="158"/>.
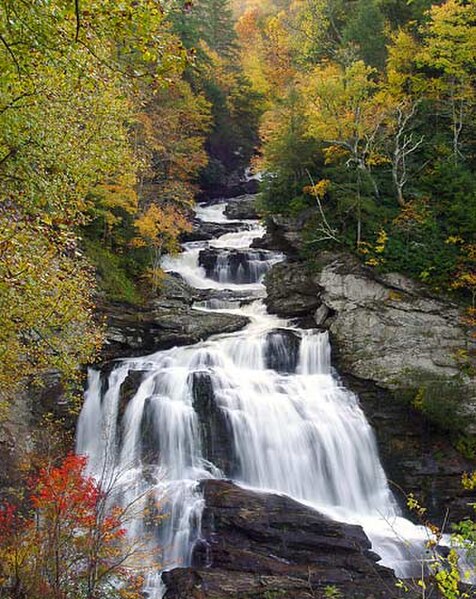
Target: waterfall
<point x="291" y="426"/>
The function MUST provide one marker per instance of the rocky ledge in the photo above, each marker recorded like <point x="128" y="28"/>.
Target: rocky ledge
<point x="263" y="546"/>
<point x="163" y="323"/>
<point x="204" y="231"/>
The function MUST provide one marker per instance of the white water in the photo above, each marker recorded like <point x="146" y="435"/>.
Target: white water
<point x="297" y="431"/>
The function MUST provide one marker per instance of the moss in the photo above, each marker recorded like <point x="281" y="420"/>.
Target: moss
<point x="441" y="401"/>
<point x="113" y="273"/>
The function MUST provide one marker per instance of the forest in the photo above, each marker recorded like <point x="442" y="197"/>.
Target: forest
<point x="358" y="118"/>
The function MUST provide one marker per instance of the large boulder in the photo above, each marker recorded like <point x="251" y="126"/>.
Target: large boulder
<point x="242" y="208"/>
<point x="258" y="545"/>
<point x="291" y="290"/>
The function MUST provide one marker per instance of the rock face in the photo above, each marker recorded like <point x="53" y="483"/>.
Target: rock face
<point x="215" y="433"/>
<point x="163" y="323"/>
<point x="284" y="234"/>
<point x="258" y="545"/>
<point x="242" y="208"/>
<point x="291" y="291"/>
<point x="388" y="328"/>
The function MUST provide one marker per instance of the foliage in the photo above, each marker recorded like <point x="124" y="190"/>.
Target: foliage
<point x="71" y="544"/>
<point x="444" y="567"/>
<point x="377" y="98"/>
<point x="97" y="122"/>
<point x="158" y="229"/>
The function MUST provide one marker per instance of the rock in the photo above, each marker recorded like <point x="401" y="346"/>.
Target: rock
<point x="242" y="208"/>
<point x="389" y="329"/>
<point x="259" y="545"/>
<point x="175" y="288"/>
<point x="394" y="341"/>
<point x="291" y="290"/>
<point x="204" y="231"/>
<point x="133" y="331"/>
<point x="163" y="323"/>
<point x="282" y="350"/>
<point x="417" y="458"/>
<point x="284" y="234"/>
<point x="214" y="429"/>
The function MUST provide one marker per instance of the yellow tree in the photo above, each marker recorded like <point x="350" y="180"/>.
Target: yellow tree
<point x="158" y="229"/>
<point x="450" y="49"/>
<point x="346" y="116"/>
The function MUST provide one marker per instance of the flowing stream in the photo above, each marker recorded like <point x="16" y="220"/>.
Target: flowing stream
<point x="291" y="426"/>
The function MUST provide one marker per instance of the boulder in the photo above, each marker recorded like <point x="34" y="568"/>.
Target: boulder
<point x="242" y="208"/>
<point x="260" y="545"/>
<point x="204" y="231"/>
<point x="291" y="290"/>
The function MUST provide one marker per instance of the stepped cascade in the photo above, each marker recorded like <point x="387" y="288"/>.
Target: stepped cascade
<point x="262" y="406"/>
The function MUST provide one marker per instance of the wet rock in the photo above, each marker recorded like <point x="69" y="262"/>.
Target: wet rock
<point x="242" y="208"/>
<point x="259" y="545"/>
<point x="417" y="458"/>
<point x="135" y="331"/>
<point x="150" y="441"/>
<point x="168" y="321"/>
<point x="291" y="290"/>
<point x="214" y="430"/>
<point x="204" y="231"/>
<point x="282" y="350"/>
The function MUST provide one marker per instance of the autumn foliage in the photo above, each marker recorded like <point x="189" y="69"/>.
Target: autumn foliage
<point x="70" y="544"/>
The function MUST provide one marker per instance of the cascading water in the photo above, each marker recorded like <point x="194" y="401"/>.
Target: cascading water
<point x="293" y="428"/>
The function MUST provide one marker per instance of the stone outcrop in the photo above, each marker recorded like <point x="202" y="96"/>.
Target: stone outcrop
<point x="284" y="233"/>
<point x="388" y="328"/>
<point x="258" y="545"/>
<point x="291" y="290"/>
<point x="204" y="231"/>
<point x="163" y="323"/>
<point x="242" y="208"/>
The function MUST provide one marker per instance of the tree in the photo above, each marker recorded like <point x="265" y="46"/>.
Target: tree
<point x="345" y="115"/>
<point x="73" y="543"/>
<point x="366" y="29"/>
<point x="70" y="90"/>
<point x="158" y="229"/>
<point x="450" y="49"/>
